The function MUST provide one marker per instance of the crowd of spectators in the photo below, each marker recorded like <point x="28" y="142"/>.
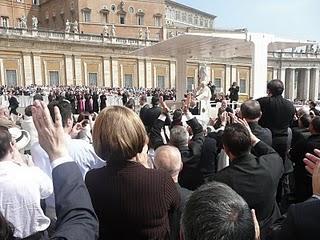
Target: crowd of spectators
<point x="117" y="172"/>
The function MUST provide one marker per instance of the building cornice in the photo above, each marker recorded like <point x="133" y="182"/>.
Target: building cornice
<point x="180" y="5"/>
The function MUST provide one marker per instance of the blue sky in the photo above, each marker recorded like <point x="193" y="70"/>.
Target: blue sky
<point x="296" y="19"/>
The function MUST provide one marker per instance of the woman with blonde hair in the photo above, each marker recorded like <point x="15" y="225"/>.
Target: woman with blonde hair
<point x="131" y="201"/>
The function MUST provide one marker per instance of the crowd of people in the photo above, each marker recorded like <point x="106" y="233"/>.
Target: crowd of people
<point x="116" y="172"/>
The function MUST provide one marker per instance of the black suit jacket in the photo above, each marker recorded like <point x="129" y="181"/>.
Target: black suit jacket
<point x="76" y="217"/>
<point x="302" y="222"/>
<point x="143" y="115"/>
<point x="190" y="176"/>
<point x="256" y="179"/>
<point x="264" y="134"/>
<point x="303" y="180"/>
<point x="299" y="134"/>
<point x="151" y="115"/>
<point x="277" y="114"/>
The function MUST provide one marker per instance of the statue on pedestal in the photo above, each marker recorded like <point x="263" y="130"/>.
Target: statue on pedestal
<point x="106" y="31"/>
<point x="140" y="34"/>
<point x="113" y="31"/>
<point x="34" y="23"/>
<point x="23" y="22"/>
<point x="67" y="30"/>
<point x="75" y="27"/>
<point x="147" y="33"/>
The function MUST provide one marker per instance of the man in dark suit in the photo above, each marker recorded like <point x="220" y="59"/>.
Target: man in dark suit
<point x="301" y="132"/>
<point x="13" y="104"/>
<point x="303" y="181"/>
<point x="302" y="220"/>
<point x="277" y="115"/>
<point x="312" y="106"/>
<point x="251" y="112"/>
<point x="144" y="107"/>
<point x="190" y="177"/>
<point x="255" y="178"/>
<point x="168" y="158"/>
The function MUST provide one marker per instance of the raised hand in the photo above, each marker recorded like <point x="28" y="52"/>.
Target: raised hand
<point x="51" y="135"/>
<point x="311" y="161"/>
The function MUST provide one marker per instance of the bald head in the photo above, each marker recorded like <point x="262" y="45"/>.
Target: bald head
<point x="168" y="158"/>
<point x="251" y="110"/>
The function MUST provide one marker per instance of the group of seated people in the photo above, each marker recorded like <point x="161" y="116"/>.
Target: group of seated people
<point x="156" y="174"/>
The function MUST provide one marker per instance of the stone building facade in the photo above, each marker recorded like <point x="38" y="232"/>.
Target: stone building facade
<point x="43" y="57"/>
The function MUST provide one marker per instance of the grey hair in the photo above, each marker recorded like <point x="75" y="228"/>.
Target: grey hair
<point x="179" y="136"/>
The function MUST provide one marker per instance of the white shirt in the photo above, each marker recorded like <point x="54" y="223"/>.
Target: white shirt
<point x="21" y="188"/>
<point x="204" y="94"/>
<point x="79" y="150"/>
<point x="28" y="125"/>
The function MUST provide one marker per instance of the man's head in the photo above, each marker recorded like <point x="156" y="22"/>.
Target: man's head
<point x="251" y="111"/>
<point x="6" y="143"/>
<point x="28" y="111"/>
<point x="179" y="136"/>
<point x="224" y="103"/>
<point x="236" y="140"/>
<point x="168" y="158"/>
<point x="275" y="87"/>
<point x="4" y="112"/>
<point x="66" y="113"/>
<point x="38" y="96"/>
<point x="155" y="100"/>
<point x="312" y="104"/>
<point x="304" y="121"/>
<point x="142" y="100"/>
<point x="214" y="211"/>
<point x="315" y="125"/>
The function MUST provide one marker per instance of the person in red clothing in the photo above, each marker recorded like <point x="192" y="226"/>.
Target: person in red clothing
<point x="131" y="201"/>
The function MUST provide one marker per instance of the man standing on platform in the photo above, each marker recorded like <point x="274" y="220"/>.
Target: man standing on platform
<point x="277" y="115"/>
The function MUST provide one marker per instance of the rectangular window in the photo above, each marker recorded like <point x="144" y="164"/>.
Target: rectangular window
<point x="122" y="19"/>
<point x="128" y="81"/>
<point x="140" y="20"/>
<point x="243" y="86"/>
<point x="157" y="21"/>
<point x="4" y="21"/>
<point x="93" y="79"/>
<point x="160" y="82"/>
<point x="190" y="84"/>
<point x="184" y="17"/>
<point x="178" y="15"/>
<point x="53" y="78"/>
<point x="11" y="76"/>
<point x="87" y="16"/>
<point x="218" y="84"/>
<point x="35" y="2"/>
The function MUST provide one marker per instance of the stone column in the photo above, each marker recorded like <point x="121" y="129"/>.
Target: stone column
<point x="181" y="74"/>
<point x="141" y="73"/>
<point x="68" y="63"/>
<point x="314" y="84"/>
<point x="305" y="83"/>
<point x="172" y="74"/>
<point x="85" y="74"/>
<point x="148" y="74"/>
<point x="2" y="79"/>
<point x="155" y="80"/>
<point x="115" y="72"/>
<point x="37" y="70"/>
<point x="259" y="63"/>
<point x="77" y="70"/>
<point x="228" y="78"/>
<point x="122" y="83"/>
<point x="290" y="79"/>
<point x="106" y="72"/>
<point x="27" y="69"/>
<point x="282" y="77"/>
<point x="275" y="74"/>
